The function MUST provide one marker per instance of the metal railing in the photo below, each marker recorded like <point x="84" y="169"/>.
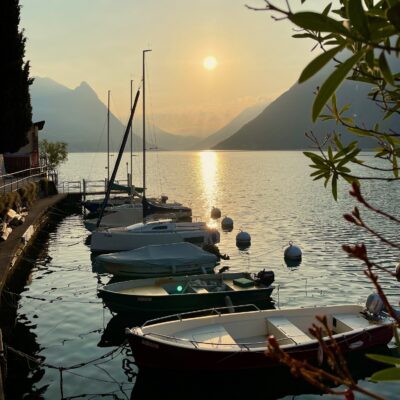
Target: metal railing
<point x="70" y="187"/>
<point x="12" y="182"/>
<point x="86" y="187"/>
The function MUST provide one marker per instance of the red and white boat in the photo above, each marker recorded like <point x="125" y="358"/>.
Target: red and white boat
<point x="238" y="341"/>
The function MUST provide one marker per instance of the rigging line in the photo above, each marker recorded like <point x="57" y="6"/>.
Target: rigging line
<point x="152" y="126"/>
<point x="91" y="167"/>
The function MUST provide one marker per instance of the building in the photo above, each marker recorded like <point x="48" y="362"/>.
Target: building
<point x="26" y="157"/>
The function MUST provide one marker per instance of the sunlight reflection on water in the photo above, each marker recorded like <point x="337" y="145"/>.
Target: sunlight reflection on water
<point x="268" y="194"/>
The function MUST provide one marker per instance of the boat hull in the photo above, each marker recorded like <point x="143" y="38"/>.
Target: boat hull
<point x="149" y="271"/>
<point x="154" y="354"/>
<point x="169" y="304"/>
<point x="106" y="241"/>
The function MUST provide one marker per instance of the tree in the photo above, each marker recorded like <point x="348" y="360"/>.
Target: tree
<point x="15" y="102"/>
<point x="53" y="154"/>
<point x="363" y="39"/>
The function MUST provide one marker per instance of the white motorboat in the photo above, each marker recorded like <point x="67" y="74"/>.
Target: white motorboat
<point x="157" y="232"/>
<point x="238" y="341"/>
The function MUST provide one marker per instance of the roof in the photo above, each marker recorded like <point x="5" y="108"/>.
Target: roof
<point x="39" y="125"/>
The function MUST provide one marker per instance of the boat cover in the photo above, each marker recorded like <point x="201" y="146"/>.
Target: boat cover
<point x="176" y="254"/>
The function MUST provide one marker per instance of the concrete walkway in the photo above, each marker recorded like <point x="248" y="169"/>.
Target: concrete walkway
<point x="15" y="246"/>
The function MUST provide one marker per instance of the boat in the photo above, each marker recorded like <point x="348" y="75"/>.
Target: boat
<point x="117" y="216"/>
<point x="158" y="260"/>
<point x="174" y="294"/>
<point x="127" y="214"/>
<point x="238" y="341"/>
<point x="156" y="232"/>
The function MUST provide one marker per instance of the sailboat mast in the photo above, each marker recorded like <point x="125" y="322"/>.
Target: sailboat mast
<point x="116" y="166"/>
<point x="108" y="137"/>
<point x="131" y="137"/>
<point x="144" y="125"/>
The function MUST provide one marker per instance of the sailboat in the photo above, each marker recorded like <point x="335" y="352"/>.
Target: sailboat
<point x="93" y="205"/>
<point x="143" y="234"/>
<point x="123" y="211"/>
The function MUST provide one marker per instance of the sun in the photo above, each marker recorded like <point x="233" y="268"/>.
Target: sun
<point x="210" y="63"/>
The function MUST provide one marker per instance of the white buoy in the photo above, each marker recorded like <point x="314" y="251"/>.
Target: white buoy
<point x="374" y="303"/>
<point x="292" y="252"/>
<point x="215" y="213"/>
<point x="227" y="224"/>
<point x="243" y="239"/>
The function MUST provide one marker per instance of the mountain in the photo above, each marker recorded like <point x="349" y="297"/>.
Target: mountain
<point x="232" y="127"/>
<point x="282" y="125"/>
<point x="79" y="118"/>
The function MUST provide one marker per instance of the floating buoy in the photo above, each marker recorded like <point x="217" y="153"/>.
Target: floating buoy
<point x="397" y="272"/>
<point x="215" y="213"/>
<point x="227" y="224"/>
<point x="374" y="303"/>
<point x="243" y="239"/>
<point x="292" y="253"/>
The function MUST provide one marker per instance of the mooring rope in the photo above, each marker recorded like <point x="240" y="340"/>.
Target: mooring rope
<point x="113" y="353"/>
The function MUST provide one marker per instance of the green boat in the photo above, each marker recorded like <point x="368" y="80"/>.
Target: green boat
<point x="176" y="294"/>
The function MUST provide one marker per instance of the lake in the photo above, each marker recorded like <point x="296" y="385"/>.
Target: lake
<point x="61" y="321"/>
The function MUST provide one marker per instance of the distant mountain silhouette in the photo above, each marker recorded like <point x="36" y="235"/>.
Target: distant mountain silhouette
<point x="283" y="123"/>
<point x="79" y="118"/>
<point x="232" y="127"/>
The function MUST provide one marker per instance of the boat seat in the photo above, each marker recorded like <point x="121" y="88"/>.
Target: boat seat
<point x="280" y="326"/>
<point x="349" y="322"/>
<point x="200" y="290"/>
<point x="210" y="337"/>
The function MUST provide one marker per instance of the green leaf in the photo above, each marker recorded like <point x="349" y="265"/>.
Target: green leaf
<point x="332" y="83"/>
<point x="393" y="15"/>
<point x="327" y="9"/>
<point x="395" y="166"/>
<point x="384" y="67"/>
<point x="319" y="62"/>
<point x="303" y="36"/>
<point x="318" y="22"/>
<point x="360" y="132"/>
<point x="334" y="187"/>
<point x="370" y="58"/>
<point x="384" y="359"/>
<point x="388" y="374"/>
<point x="330" y="153"/>
<point x="357" y="17"/>
<point x="337" y="142"/>
<point x="345" y="108"/>
<point x="349" y="157"/>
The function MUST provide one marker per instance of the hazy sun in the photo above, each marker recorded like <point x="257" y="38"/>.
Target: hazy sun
<point x="210" y="62"/>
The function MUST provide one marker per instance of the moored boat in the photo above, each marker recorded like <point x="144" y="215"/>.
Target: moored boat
<point x="158" y="260"/>
<point x="239" y="340"/>
<point x="186" y="293"/>
<point x="157" y="232"/>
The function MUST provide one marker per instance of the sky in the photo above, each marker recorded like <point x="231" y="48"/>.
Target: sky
<point x="101" y="42"/>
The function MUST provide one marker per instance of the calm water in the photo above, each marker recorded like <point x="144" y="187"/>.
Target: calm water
<point x="61" y="321"/>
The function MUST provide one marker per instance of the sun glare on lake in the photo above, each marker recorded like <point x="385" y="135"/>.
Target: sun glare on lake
<point x="210" y="63"/>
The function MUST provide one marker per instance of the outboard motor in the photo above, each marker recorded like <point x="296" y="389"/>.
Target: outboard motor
<point x="374" y="304"/>
<point x="265" y="277"/>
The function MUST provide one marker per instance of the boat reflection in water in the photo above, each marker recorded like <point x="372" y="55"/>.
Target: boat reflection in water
<point x="263" y="384"/>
